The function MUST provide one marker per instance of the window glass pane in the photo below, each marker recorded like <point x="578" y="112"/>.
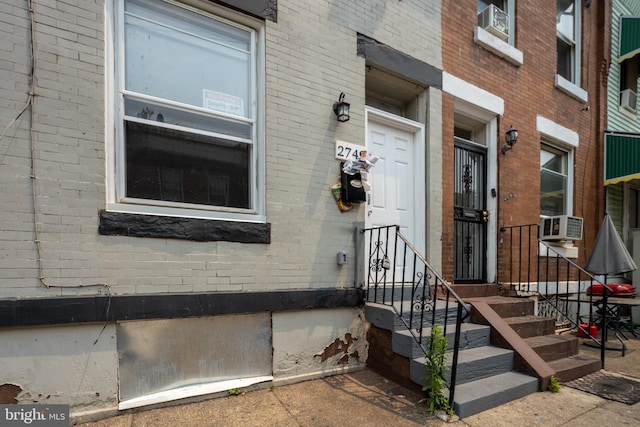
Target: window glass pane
<point x="174" y="116"/>
<point x="629" y="74"/>
<point x="553" y="161"/>
<point x="565" y="60"/>
<point x="565" y="19"/>
<point x="552" y="193"/>
<point x="501" y="4"/>
<point x="553" y="181"/>
<point x="173" y="166"/>
<point x="176" y="54"/>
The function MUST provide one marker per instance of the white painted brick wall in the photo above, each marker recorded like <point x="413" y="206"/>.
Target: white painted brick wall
<point x="311" y="58"/>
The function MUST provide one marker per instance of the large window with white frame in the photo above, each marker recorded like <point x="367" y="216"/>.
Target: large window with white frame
<point x="187" y="111"/>
<point x="568" y="19"/>
<point x="555" y="181"/>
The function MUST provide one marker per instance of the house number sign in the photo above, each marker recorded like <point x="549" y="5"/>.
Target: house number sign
<point x="348" y="151"/>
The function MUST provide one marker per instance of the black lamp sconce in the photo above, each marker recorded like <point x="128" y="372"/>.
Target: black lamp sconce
<point x="341" y="108"/>
<point x="511" y="137"/>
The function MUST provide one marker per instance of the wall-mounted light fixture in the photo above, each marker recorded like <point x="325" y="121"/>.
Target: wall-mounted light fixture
<point x="341" y="109"/>
<point x="511" y="137"/>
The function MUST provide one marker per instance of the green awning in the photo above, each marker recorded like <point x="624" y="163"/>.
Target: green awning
<point x="621" y="157"/>
<point x="629" y="37"/>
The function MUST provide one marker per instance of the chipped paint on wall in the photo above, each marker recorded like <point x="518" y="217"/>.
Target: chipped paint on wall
<point x="9" y="393"/>
<point x="339" y="348"/>
<point x="315" y="344"/>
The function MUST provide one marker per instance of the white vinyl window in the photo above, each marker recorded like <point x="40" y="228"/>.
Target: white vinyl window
<point x="568" y="40"/>
<point x="187" y="112"/>
<point x="555" y="189"/>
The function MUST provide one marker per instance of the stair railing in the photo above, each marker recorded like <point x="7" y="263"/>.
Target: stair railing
<point x="399" y="277"/>
<point x="530" y="266"/>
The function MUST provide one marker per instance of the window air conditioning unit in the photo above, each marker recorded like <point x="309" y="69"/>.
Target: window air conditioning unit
<point x="628" y="100"/>
<point x="494" y="20"/>
<point x="561" y="227"/>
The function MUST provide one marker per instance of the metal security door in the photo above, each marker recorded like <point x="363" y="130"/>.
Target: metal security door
<point x="470" y="215"/>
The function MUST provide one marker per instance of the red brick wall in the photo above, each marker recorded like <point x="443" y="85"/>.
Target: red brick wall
<point x="528" y="90"/>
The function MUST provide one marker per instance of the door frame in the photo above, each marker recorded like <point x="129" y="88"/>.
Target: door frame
<point x="471" y="146"/>
<point x="490" y="140"/>
<point x="418" y="131"/>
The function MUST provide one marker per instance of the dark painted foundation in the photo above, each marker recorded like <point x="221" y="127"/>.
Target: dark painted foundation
<point x="104" y="308"/>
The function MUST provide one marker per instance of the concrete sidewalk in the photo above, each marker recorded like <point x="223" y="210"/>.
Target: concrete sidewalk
<point x="365" y="398"/>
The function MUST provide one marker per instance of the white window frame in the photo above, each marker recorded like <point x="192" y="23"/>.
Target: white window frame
<point x="115" y="154"/>
<point x="506" y="50"/>
<point x="545" y="145"/>
<point x="562" y="139"/>
<point x="571" y="86"/>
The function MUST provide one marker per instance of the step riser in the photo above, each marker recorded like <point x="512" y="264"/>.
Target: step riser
<point x="405" y="345"/>
<point x="483" y="366"/>
<point x="385" y="318"/>
<point x="575" y="367"/>
<point x="515" y="308"/>
<point x="577" y="372"/>
<point x="557" y="351"/>
<point x="471" y="291"/>
<point x="534" y="327"/>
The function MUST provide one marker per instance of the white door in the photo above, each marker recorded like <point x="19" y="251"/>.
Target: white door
<point x="397" y="179"/>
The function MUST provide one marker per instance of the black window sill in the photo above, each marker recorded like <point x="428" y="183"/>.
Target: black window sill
<point x="199" y="230"/>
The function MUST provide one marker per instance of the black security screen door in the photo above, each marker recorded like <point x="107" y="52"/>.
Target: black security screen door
<point x="470" y="216"/>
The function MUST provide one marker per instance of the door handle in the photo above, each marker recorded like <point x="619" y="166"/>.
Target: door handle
<point x="485" y="216"/>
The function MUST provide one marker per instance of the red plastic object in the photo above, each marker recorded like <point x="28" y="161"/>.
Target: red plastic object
<point x="593" y="330"/>
<point x="617" y="289"/>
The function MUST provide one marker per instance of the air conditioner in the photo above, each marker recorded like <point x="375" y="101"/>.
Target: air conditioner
<point x="494" y="20"/>
<point x="561" y="227"/>
<point x="628" y="100"/>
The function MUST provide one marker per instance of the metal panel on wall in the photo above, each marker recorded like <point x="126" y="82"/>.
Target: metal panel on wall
<point x="160" y="355"/>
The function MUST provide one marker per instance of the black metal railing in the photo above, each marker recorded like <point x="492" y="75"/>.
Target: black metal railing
<point x="398" y="276"/>
<point x="528" y="266"/>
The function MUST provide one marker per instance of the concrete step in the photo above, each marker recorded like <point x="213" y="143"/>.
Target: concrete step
<point x="532" y="326"/>
<point x="570" y="368"/>
<point x="471" y="335"/>
<point x="473" y="364"/>
<point x="477" y="396"/>
<point x="553" y="347"/>
<point x="507" y="307"/>
<point x="385" y="317"/>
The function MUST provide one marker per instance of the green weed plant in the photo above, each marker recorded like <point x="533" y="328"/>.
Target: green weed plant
<point x="436" y="364"/>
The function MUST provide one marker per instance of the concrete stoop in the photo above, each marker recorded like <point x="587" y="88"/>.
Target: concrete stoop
<point x="558" y="352"/>
<point x="484" y="377"/>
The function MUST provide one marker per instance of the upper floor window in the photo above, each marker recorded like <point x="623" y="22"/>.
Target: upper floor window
<point x="568" y="39"/>
<point x="628" y="58"/>
<point x="554" y="181"/>
<point x="629" y="84"/>
<point x="496" y="29"/>
<point x="497" y="17"/>
<point x="188" y="113"/>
